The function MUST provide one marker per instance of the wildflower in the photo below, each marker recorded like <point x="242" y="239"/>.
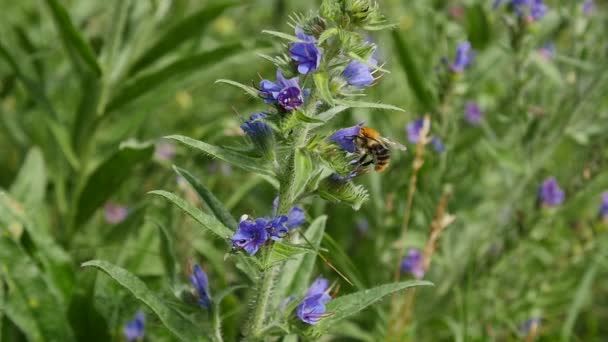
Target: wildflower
<point x="312" y="308"/>
<point x="276" y="227"/>
<point x="345" y="137"/>
<point x="362" y="225"/>
<point x="437" y="144"/>
<point x="286" y="92"/>
<point x="164" y="150"/>
<point x="199" y="280"/>
<point x="413" y="263"/>
<point x="359" y="74"/>
<point x="251" y="235"/>
<point x="306" y="54"/>
<point x="472" y="113"/>
<point x="295" y="217"/>
<point x="588" y="7"/>
<point x="547" y="51"/>
<point x="530" y="326"/>
<point x="464" y="57"/>
<point x="538" y="9"/>
<point x="603" y="212"/>
<point x="134" y="330"/>
<point x="550" y="194"/>
<point x="259" y="132"/>
<point x="413" y="130"/>
<point x="115" y="213"/>
<point x="341" y="179"/>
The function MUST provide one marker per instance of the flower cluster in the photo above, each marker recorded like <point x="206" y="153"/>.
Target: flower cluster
<point x="312" y="308"/>
<point x="253" y="234"/>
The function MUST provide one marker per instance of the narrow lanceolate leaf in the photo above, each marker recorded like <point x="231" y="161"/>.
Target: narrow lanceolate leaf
<point x="281" y="252"/>
<point x="368" y="105"/>
<point x="330" y="113"/>
<point x="190" y="27"/>
<point x="583" y="292"/>
<point x="180" y="327"/>
<point x="72" y="39"/>
<point x="30" y="186"/>
<point x="415" y="78"/>
<point x="346" y="306"/>
<point x="145" y="82"/>
<point x="322" y="83"/>
<point x="235" y="158"/>
<point x="208" y="222"/>
<point x="478" y="27"/>
<point x="302" y="171"/>
<point x="30" y="304"/>
<point x="216" y="206"/>
<point x="109" y="176"/>
<point x="295" y="275"/>
<point x="248" y="89"/>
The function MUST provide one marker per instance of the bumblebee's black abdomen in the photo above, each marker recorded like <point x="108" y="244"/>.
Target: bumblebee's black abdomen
<point x="381" y="157"/>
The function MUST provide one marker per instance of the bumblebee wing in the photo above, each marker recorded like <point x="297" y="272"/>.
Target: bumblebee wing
<point x="388" y="142"/>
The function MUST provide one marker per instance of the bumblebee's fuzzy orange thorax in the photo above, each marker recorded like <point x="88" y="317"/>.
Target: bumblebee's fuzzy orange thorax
<point x="369" y="132"/>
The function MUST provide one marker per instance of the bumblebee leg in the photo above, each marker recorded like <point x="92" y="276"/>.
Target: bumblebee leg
<point x="360" y="160"/>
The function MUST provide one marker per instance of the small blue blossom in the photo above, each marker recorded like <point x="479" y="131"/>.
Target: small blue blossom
<point x="276" y="227"/>
<point x="538" y="9"/>
<point x="603" y="212"/>
<point x="550" y="194"/>
<point x="530" y="326"/>
<point x="413" y="263"/>
<point x="438" y="144"/>
<point x="359" y="74"/>
<point x="134" y="330"/>
<point x="256" y="126"/>
<point x="306" y="53"/>
<point x="345" y="137"/>
<point x="588" y="7"/>
<point x="295" y="218"/>
<point x="464" y="57"/>
<point x="312" y="308"/>
<point x="413" y="130"/>
<point x="472" y="113"/>
<point x="199" y="280"/>
<point x="251" y="235"/>
<point x="115" y="213"/>
<point x="286" y="92"/>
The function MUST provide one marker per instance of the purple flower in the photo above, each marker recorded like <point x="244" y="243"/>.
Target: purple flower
<point x="588" y="7"/>
<point x="295" y="218"/>
<point x="276" y="227"/>
<point x="312" y="308"/>
<point x="472" y="113"/>
<point x="437" y="144"/>
<point x="530" y="326"/>
<point x="359" y="74"/>
<point x="256" y="126"/>
<point x="306" y="54"/>
<point x="134" y="330"/>
<point x="345" y="137"/>
<point x="165" y="150"/>
<point x="604" y="206"/>
<point x="285" y="92"/>
<point x="115" y="213"/>
<point x="199" y="280"/>
<point x="548" y="50"/>
<point x="538" y="9"/>
<point x="413" y="263"/>
<point x="251" y="235"/>
<point x="550" y="194"/>
<point x="464" y="57"/>
<point x="413" y="130"/>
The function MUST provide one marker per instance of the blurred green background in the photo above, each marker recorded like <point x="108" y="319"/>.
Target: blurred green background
<point x="83" y="108"/>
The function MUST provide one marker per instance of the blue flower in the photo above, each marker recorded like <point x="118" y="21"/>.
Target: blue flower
<point x="464" y="57"/>
<point x="345" y="137"/>
<point x="359" y="74"/>
<point x="342" y="179"/>
<point x="604" y="206"/>
<point x="276" y="227"/>
<point x="256" y="126"/>
<point x="312" y="308"/>
<point x="588" y="7"/>
<point x="134" y="329"/>
<point x="199" y="280"/>
<point x="550" y="194"/>
<point x="538" y="9"/>
<point x="437" y="144"/>
<point x="413" y="263"/>
<point x="286" y="92"/>
<point x="306" y="53"/>
<point x="413" y="130"/>
<point x="472" y="113"/>
<point x="295" y="218"/>
<point x="530" y="326"/>
<point x="251" y="235"/>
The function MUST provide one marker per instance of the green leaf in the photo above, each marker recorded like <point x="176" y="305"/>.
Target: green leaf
<point x="583" y="292"/>
<point x="547" y="68"/>
<point x="307" y="119"/>
<point x="208" y="222"/>
<point x="368" y="105"/>
<point x="249" y="90"/>
<point x="108" y="177"/>
<point x="343" y="192"/>
<point x="31" y="304"/>
<point x="30" y="186"/>
<point x="71" y="37"/>
<point x="282" y="251"/>
<point x="190" y="27"/>
<point x="302" y="171"/>
<point x="346" y="306"/>
<point x="295" y="275"/>
<point x="182" y="328"/>
<point x="478" y="27"/>
<point x="217" y="207"/>
<point x="62" y="136"/>
<point x="322" y="83"/>
<point x="148" y="81"/>
<point x="330" y="113"/>
<point x="237" y="159"/>
<point x="167" y="252"/>
<point x="415" y="78"/>
<point x="327" y="34"/>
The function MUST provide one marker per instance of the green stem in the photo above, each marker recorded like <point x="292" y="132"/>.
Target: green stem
<point x="261" y="304"/>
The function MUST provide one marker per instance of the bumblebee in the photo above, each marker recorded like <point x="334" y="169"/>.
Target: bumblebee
<point x="372" y="145"/>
